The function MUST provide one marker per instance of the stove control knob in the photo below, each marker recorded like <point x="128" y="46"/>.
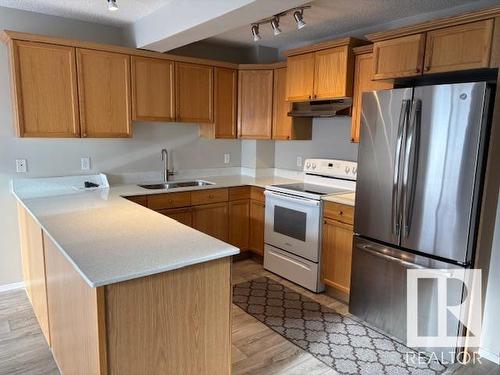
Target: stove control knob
<point x="313" y="166"/>
<point x="347" y="170"/>
<point x="308" y="165"/>
<point x="354" y="170"/>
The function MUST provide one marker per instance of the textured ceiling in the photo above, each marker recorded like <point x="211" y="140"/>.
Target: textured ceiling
<point x="90" y="10"/>
<point x="327" y="18"/>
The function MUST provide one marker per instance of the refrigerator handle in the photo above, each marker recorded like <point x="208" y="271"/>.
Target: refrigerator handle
<point x="411" y="164"/>
<point x="396" y="186"/>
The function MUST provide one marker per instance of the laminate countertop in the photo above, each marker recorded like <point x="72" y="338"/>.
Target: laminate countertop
<point x="346" y="198"/>
<point x="109" y="239"/>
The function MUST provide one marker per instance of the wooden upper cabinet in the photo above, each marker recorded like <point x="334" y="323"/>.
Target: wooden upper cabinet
<point x="399" y="57"/>
<point x="282" y="123"/>
<point x="300" y="77"/>
<point x="226" y="95"/>
<point x="284" y="126"/>
<point x="153" y="90"/>
<point x="333" y="70"/>
<point x="45" y="90"/>
<point x="255" y="98"/>
<point x="460" y="47"/>
<point x="194" y="92"/>
<point x="363" y="73"/>
<point x="104" y="93"/>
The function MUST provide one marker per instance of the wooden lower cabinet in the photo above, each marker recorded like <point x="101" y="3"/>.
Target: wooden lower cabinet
<point x="337" y="243"/>
<point x="176" y="322"/>
<point x="182" y="215"/>
<point x="212" y="219"/>
<point x="257" y="216"/>
<point x="33" y="257"/>
<point x="239" y="223"/>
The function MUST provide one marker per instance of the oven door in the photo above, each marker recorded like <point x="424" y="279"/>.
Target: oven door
<point x="293" y="224"/>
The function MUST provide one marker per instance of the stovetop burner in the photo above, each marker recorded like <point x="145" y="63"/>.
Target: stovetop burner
<point x="311" y="189"/>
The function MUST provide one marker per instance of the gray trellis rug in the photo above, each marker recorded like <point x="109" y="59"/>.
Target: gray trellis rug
<point x="344" y="344"/>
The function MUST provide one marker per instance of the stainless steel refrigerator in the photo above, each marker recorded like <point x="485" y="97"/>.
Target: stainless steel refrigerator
<point x="418" y="192"/>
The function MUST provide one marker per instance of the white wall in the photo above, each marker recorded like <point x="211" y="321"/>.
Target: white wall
<point x="331" y="139"/>
<point x="59" y="157"/>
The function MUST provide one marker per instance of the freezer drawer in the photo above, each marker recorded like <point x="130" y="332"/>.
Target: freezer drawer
<point x="379" y="294"/>
<point x="291" y="267"/>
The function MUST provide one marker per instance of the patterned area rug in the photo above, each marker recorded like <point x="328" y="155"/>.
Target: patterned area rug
<point x="344" y="344"/>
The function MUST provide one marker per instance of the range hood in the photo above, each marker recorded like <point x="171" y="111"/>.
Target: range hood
<point x="322" y="108"/>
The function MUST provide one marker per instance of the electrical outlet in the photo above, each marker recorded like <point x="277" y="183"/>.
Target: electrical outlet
<point x="299" y="161"/>
<point x="227" y="158"/>
<point x="85" y="164"/>
<point x="21" y="166"/>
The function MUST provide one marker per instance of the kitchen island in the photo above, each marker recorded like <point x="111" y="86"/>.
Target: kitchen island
<point x="120" y="289"/>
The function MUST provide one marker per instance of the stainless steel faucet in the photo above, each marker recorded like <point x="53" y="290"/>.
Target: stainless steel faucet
<point x="166" y="172"/>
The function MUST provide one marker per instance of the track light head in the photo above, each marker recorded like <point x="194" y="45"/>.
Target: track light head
<point x="112" y="6"/>
<point x="275" y="24"/>
<point x="255" y="33"/>
<point x="299" y="18"/>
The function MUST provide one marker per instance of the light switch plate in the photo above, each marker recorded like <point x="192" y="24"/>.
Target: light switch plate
<point x="21" y="166"/>
<point x="85" y="164"/>
<point x="227" y="158"/>
<point x="299" y="161"/>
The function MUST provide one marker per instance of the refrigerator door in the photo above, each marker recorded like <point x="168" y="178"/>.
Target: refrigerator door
<point x="379" y="292"/>
<point x="440" y="172"/>
<point x="384" y="118"/>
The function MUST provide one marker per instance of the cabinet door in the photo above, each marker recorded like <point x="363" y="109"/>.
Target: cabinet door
<point x="459" y="48"/>
<point x="282" y="123"/>
<point x="195" y="93"/>
<point x="153" y="96"/>
<point x="399" y="57"/>
<point x="239" y="223"/>
<point x="212" y="219"/>
<point x="333" y="70"/>
<point x="104" y="93"/>
<point x="226" y="93"/>
<point x="257" y="216"/>
<point x="300" y="77"/>
<point x="33" y="257"/>
<point x="337" y="255"/>
<point x="363" y="74"/>
<point x="182" y="215"/>
<point x="44" y="83"/>
<point x="255" y="98"/>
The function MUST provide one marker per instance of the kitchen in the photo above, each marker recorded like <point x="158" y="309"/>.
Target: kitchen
<point x="253" y="146"/>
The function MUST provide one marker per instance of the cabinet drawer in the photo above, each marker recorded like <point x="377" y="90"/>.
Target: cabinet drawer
<point x="240" y="192"/>
<point x="139" y="199"/>
<point x="257" y="194"/>
<point x="340" y="212"/>
<point x="209" y="196"/>
<point x="169" y="200"/>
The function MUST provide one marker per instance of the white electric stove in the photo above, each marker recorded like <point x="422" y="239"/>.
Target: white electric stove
<point x="293" y="220"/>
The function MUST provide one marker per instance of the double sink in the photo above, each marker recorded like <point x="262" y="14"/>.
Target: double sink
<point x="174" y="185"/>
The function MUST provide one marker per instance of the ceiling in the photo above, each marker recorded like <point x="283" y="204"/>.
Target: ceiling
<point x="328" y="18"/>
<point x="90" y="10"/>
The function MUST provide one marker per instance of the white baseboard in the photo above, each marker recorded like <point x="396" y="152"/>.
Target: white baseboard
<point x="13" y="286"/>
<point x="495" y="358"/>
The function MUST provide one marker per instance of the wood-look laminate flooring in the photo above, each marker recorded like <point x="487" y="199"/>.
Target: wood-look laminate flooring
<point x="257" y="349"/>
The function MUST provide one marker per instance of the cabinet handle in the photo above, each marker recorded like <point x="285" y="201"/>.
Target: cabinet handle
<point x="211" y="196"/>
<point x="84" y="135"/>
<point x="427" y="68"/>
<point x="341" y="213"/>
<point x="310" y="97"/>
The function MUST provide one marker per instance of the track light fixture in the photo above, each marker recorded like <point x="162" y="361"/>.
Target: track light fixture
<point x="112" y="6"/>
<point x="255" y="33"/>
<point x="298" y="16"/>
<point x="275" y="24"/>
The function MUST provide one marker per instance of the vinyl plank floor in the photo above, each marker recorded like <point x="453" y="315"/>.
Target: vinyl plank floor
<point x="256" y="349"/>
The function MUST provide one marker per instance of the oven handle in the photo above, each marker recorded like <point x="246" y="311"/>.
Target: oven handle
<point x="288" y="198"/>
